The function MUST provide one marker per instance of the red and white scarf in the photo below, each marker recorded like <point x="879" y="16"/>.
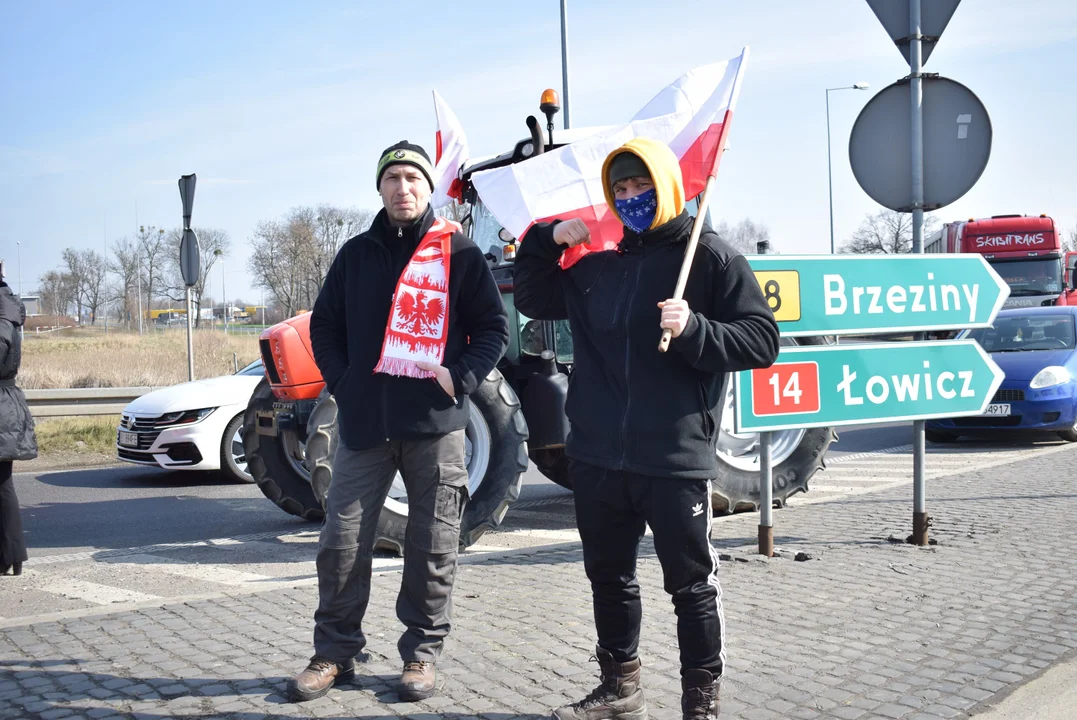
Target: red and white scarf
<point x="419" y="321"/>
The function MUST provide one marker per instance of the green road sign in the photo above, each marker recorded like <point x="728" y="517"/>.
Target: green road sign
<point x="858" y="384"/>
<point x="842" y="295"/>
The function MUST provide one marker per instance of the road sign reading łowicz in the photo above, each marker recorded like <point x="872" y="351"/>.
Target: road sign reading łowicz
<point x="855" y="384"/>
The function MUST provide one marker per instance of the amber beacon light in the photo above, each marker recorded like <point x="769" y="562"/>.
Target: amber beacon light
<point x="550" y="103"/>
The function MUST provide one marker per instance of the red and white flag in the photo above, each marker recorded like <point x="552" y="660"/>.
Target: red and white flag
<point x="692" y="116"/>
<point x="451" y="155"/>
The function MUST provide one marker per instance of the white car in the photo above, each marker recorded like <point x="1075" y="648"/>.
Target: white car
<point x="192" y="426"/>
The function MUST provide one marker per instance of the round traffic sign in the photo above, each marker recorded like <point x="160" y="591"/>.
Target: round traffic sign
<point x="957" y="144"/>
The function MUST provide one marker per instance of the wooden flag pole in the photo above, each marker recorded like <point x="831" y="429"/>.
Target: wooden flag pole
<point x="689" y="253"/>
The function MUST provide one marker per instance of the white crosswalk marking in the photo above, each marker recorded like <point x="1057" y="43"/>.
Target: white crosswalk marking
<point x="81" y="582"/>
<point x="95" y="593"/>
<point x="861" y="473"/>
<point x="223" y="574"/>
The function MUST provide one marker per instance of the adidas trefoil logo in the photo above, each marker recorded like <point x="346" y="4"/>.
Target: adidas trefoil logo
<point x="697" y="509"/>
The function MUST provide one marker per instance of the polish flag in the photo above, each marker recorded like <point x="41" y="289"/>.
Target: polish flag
<point x="692" y="116"/>
<point x="451" y="155"/>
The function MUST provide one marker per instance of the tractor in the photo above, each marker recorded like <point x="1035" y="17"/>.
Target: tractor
<point x="516" y="416"/>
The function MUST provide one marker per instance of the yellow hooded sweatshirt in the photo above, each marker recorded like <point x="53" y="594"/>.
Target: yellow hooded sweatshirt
<point x="665" y="172"/>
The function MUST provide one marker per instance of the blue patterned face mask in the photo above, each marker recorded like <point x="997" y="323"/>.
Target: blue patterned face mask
<point x="638" y="213"/>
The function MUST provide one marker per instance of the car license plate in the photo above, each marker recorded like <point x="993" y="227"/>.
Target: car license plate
<point x="997" y="410"/>
<point x="128" y="439"/>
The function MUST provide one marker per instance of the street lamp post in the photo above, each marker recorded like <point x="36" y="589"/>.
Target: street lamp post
<point x="829" y="178"/>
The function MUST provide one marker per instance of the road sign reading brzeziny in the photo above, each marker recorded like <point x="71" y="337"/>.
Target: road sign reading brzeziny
<point x="857" y="384"/>
<point x="841" y="295"/>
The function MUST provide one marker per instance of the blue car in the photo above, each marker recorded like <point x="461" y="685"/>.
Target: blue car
<point x="1035" y="348"/>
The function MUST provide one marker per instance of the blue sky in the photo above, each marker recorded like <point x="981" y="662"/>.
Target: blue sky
<point x="104" y="105"/>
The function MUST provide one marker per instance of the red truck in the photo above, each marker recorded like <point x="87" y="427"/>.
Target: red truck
<point x="1025" y="250"/>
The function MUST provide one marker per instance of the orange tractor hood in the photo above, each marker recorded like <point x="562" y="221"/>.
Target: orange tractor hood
<point x="289" y="359"/>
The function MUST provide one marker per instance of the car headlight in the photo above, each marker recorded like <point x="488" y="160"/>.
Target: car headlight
<point x="186" y="417"/>
<point x="1049" y="377"/>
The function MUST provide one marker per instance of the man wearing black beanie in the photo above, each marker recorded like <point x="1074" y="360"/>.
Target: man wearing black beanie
<point x="408" y="323"/>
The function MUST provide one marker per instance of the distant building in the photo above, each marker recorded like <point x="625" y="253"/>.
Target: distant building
<point x="33" y="304"/>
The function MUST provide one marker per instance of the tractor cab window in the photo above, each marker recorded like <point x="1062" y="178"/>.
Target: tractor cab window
<point x="485" y="228"/>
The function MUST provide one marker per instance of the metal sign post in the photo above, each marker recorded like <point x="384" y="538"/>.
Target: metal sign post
<point x="766" y="497"/>
<point x="766" y="472"/>
<point x="954" y="127"/>
<point x="916" y="97"/>
<point x="189" y="260"/>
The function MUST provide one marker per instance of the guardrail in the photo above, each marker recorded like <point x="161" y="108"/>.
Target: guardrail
<point x="81" y="401"/>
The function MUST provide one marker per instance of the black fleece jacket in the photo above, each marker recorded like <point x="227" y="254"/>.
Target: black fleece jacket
<point x="348" y="323"/>
<point x="630" y="406"/>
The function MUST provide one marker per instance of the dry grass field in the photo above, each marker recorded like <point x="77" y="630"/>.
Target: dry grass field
<point x="90" y="358"/>
<point x="83" y="436"/>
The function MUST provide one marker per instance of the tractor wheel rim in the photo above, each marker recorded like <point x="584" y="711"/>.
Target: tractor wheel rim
<point x="296" y="452"/>
<point x="741" y="450"/>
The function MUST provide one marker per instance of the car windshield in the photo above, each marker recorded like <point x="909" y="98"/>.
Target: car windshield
<point x="255" y="368"/>
<point x="1017" y="333"/>
<point x="1031" y="277"/>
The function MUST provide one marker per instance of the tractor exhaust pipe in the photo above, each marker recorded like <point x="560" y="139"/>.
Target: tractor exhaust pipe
<point x="536" y="135"/>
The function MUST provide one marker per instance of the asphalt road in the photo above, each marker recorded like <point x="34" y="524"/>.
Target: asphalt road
<point x="122" y="507"/>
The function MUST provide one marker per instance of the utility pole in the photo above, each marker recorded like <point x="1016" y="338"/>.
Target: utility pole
<point x="564" y="60"/>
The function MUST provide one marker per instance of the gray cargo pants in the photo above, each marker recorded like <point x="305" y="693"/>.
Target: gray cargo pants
<point x="436" y="480"/>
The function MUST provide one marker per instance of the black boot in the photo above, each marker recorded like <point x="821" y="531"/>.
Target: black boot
<point x="617" y="697"/>
<point x="699" y="695"/>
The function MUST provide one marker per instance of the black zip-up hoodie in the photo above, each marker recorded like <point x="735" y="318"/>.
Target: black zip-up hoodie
<point x="630" y="406"/>
<point x="348" y="323"/>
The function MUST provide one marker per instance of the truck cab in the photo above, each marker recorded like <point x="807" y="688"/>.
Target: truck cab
<point x="1025" y="250"/>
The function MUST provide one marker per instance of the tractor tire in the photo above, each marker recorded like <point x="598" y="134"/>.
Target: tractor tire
<point x="798" y="455"/>
<point x="497" y="435"/>
<point x="275" y="462"/>
<point x="554" y="465"/>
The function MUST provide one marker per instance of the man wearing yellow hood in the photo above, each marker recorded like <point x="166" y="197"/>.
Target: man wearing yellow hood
<point x="644" y="424"/>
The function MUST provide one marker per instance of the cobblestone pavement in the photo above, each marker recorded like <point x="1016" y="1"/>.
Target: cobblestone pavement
<point x="869" y="627"/>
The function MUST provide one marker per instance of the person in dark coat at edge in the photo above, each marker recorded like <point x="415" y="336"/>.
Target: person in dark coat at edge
<point x="644" y="424"/>
<point x="17" y="439"/>
<point x="408" y="323"/>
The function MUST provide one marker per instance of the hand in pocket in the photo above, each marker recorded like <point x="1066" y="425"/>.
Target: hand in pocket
<point x="441" y="375"/>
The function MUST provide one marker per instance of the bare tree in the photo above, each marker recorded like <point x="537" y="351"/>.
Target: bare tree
<point x="152" y="246"/>
<point x="291" y="256"/>
<point x="94" y="282"/>
<point x="332" y="227"/>
<point x="1069" y="241"/>
<point x="886" y="232"/>
<point x="213" y="244"/>
<point x="276" y="261"/>
<point x="744" y="236"/>
<point x="124" y="267"/>
<point x="57" y="292"/>
<point x="73" y="271"/>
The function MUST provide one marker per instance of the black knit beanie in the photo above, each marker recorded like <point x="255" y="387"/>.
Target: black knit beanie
<point x="627" y="165"/>
<point x="404" y="153"/>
